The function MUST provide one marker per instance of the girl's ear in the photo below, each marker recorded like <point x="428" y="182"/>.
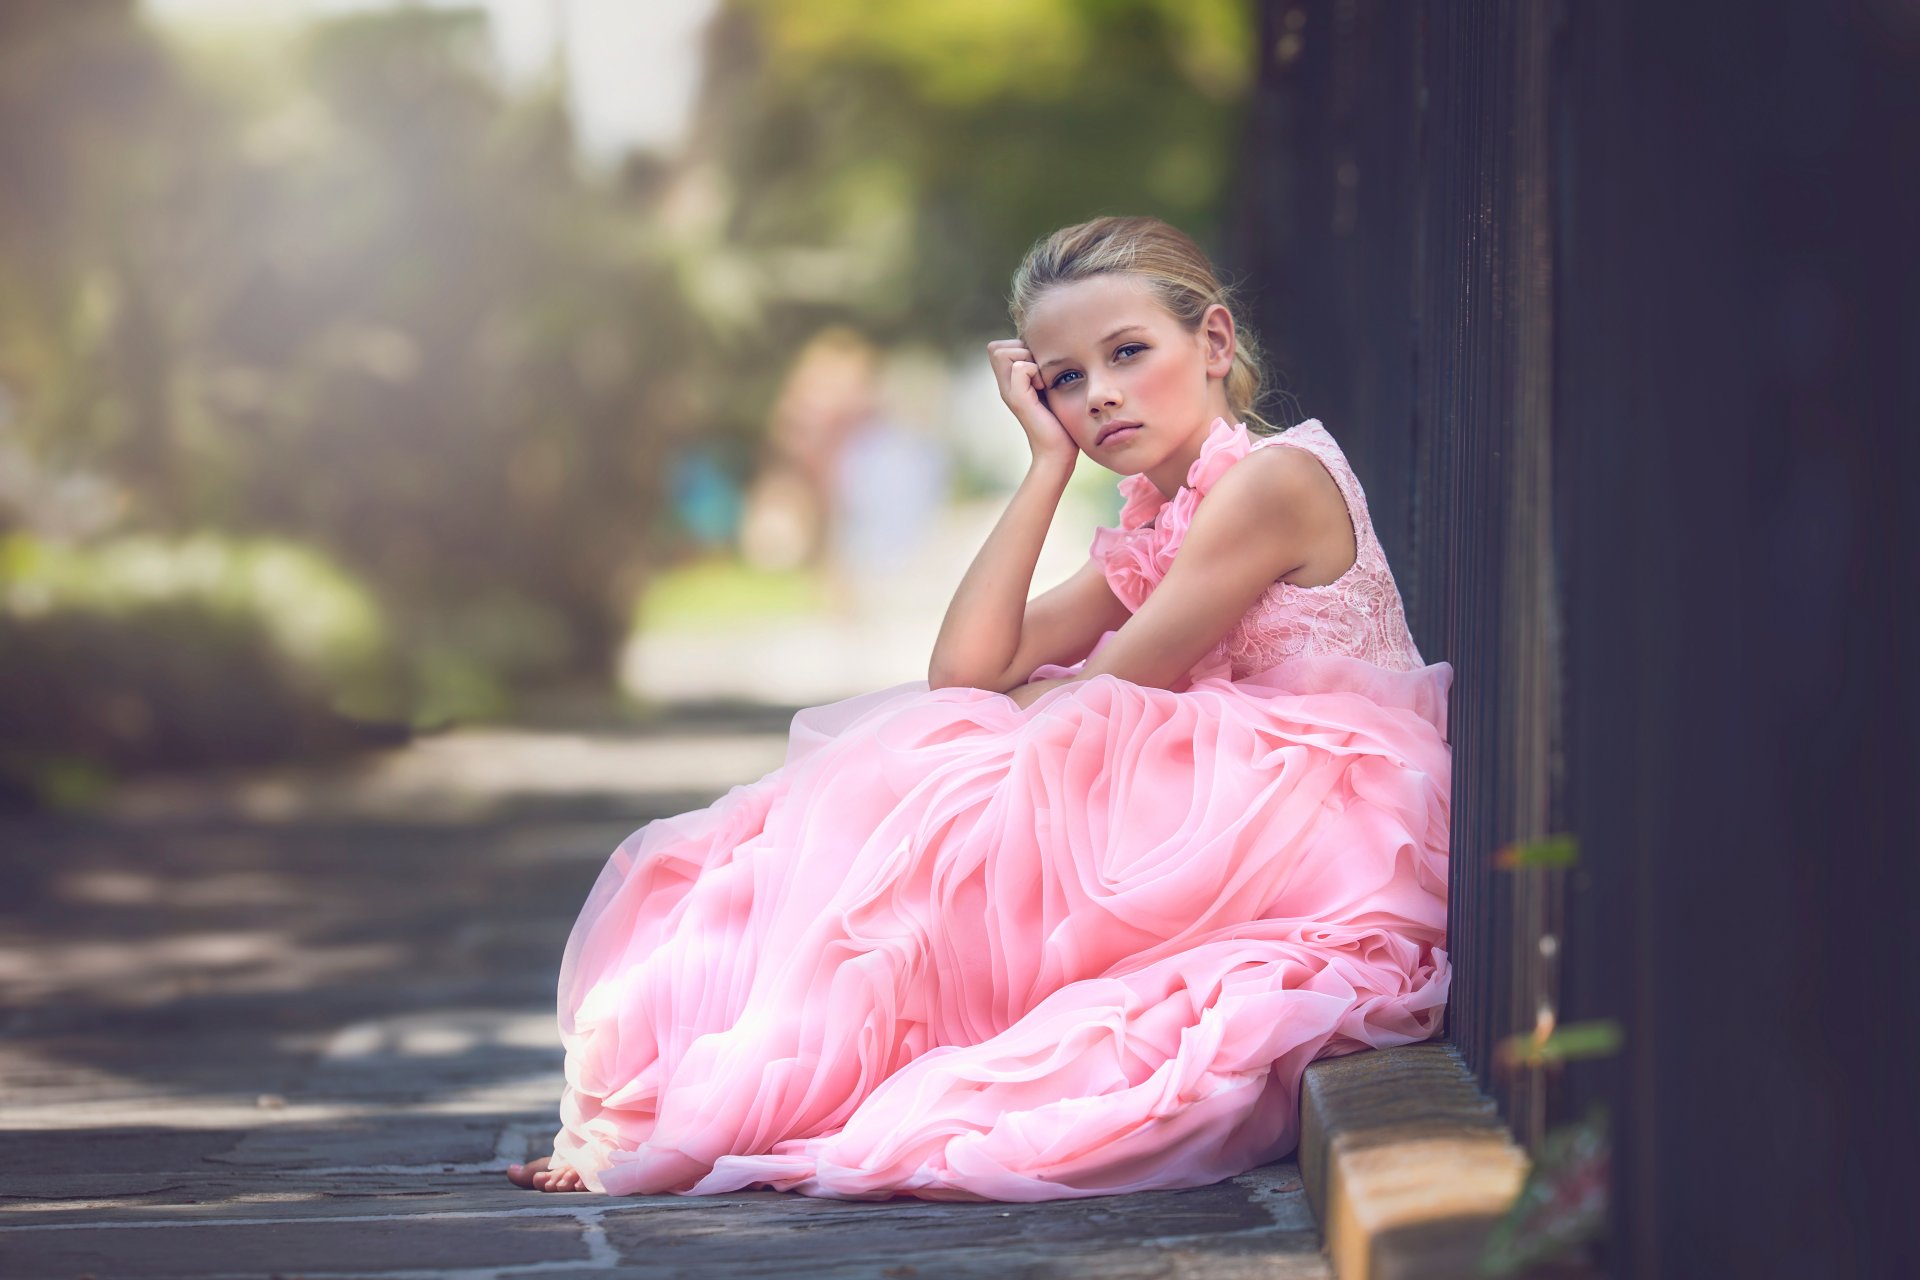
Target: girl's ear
<point x="1217" y="339"/>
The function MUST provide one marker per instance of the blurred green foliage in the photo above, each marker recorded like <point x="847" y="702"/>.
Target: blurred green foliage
<point x="718" y="590"/>
<point x="342" y="291"/>
<point x="370" y="305"/>
<point x="923" y="147"/>
<point x="141" y="651"/>
<point x="316" y="615"/>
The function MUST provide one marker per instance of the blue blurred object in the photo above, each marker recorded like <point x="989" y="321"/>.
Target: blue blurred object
<point x="705" y="497"/>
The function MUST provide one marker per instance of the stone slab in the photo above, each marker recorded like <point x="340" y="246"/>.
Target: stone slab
<point x="1257" y="1224"/>
<point x="366" y="1245"/>
<point x="368" y="1140"/>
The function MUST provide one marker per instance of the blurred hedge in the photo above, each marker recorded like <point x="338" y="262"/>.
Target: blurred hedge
<point x="143" y="652"/>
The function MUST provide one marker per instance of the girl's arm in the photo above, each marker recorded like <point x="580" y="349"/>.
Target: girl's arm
<point x="1253" y="528"/>
<point x="992" y="637"/>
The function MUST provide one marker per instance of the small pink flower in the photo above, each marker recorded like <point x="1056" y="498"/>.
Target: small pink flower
<point x="1225" y="445"/>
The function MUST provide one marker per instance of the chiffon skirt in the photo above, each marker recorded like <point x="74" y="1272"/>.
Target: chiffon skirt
<point x="956" y="949"/>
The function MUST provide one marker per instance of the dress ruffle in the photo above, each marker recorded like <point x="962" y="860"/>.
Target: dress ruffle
<point x="1138" y="554"/>
<point x="957" y="949"/>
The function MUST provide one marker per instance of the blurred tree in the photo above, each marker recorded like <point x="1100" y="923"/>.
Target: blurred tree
<point x="340" y="287"/>
<point x="894" y="161"/>
<point x="488" y="345"/>
<point x="367" y="302"/>
<point x="84" y="97"/>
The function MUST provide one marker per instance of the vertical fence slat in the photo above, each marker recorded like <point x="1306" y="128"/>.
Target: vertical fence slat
<point x="1614" y="307"/>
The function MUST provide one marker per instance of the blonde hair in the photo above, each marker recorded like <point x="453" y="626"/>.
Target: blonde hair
<point x="1172" y="267"/>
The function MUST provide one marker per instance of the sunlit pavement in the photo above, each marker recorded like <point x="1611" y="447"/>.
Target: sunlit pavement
<point x="881" y="634"/>
<point x="299" y="1023"/>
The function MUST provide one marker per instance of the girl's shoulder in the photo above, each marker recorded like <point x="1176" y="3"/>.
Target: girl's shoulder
<point x="1277" y="482"/>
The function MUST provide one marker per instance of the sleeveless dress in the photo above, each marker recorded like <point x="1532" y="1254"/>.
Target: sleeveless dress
<point x="957" y="949"/>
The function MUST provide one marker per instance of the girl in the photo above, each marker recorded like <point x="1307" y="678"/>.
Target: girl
<point x="1071" y="916"/>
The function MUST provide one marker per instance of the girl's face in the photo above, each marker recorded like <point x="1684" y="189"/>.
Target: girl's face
<point x="1128" y="382"/>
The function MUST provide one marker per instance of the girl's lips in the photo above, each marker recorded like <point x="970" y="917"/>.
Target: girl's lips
<point x="1118" y="437"/>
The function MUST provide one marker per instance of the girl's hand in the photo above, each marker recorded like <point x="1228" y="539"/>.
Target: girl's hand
<point x="1023" y="392"/>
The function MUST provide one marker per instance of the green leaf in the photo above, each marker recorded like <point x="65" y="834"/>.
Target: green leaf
<point x="1595" y="1039"/>
<point x="1562" y="1206"/>
<point x="1559" y="850"/>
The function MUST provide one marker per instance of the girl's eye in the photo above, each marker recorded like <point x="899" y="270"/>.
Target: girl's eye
<point x="1121" y="349"/>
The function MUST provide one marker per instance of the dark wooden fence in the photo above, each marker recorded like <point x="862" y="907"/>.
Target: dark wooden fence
<point x="1613" y="307"/>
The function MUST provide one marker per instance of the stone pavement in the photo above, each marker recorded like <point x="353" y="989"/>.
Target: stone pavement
<point x="298" y="1025"/>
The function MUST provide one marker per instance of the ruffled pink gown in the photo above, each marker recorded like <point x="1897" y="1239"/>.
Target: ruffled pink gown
<point x="960" y="950"/>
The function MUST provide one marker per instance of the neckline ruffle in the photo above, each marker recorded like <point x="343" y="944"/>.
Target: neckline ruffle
<point x="1226" y="443"/>
<point x="1135" y="555"/>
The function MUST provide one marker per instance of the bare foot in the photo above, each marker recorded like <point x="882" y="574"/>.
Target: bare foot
<point x="545" y="1175"/>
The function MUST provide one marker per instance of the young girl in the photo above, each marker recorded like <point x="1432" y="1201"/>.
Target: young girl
<point x="1072" y="916"/>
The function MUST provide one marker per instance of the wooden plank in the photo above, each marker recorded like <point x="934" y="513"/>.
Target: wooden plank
<point x="1407" y="1164"/>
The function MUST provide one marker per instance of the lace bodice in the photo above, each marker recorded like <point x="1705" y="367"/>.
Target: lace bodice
<point x="1358" y="615"/>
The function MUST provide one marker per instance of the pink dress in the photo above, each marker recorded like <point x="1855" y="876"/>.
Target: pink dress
<point x="961" y="950"/>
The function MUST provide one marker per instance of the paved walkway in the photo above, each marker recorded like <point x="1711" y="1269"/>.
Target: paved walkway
<point x="297" y="1025"/>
